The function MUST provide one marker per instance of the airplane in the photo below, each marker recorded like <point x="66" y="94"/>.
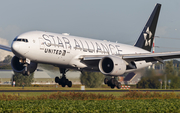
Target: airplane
<point x="73" y="52"/>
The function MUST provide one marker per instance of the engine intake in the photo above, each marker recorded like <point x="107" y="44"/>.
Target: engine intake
<point x="20" y="67"/>
<point x="112" y="65"/>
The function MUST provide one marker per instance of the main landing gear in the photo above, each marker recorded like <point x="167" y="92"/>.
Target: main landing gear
<point x="63" y="81"/>
<point x="112" y="83"/>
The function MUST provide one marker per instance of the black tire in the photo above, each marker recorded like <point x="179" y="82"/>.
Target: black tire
<point x="109" y="84"/>
<point x="57" y="79"/>
<point x="119" y="85"/>
<point x="112" y="81"/>
<point x="105" y="81"/>
<point x="69" y="84"/>
<point x="63" y="80"/>
<point x="63" y="85"/>
<point x="116" y="83"/>
<point x="112" y="86"/>
<point x="60" y="81"/>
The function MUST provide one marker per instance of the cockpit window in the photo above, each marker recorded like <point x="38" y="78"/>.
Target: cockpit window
<point x="26" y="40"/>
<point x="21" y="40"/>
<point x="15" y="38"/>
<point x="18" y="40"/>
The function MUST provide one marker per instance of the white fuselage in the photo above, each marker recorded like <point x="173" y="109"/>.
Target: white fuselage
<point x="65" y="50"/>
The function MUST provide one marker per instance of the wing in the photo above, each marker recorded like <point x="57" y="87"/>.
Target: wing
<point x="148" y="57"/>
<point x="6" y="48"/>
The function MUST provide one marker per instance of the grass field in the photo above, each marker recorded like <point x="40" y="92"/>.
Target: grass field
<point x="61" y="88"/>
<point x="78" y="87"/>
<point x="90" y="102"/>
<point x="92" y="106"/>
<point x="48" y="93"/>
<point x="127" y="102"/>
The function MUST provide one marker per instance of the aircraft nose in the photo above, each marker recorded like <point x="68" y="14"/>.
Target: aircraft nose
<point x="15" y="47"/>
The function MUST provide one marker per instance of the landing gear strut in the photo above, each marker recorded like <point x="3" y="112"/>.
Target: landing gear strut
<point x="112" y="83"/>
<point x="63" y="81"/>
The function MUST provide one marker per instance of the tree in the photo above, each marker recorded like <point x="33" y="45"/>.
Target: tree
<point x="179" y="72"/>
<point x="7" y="59"/>
<point x="20" y="79"/>
<point x="149" y="82"/>
<point x="150" y="72"/>
<point x="6" y="66"/>
<point x="171" y="74"/>
<point x="174" y="82"/>
<point x="91" y="79"/>
<point x="169" y="68"/>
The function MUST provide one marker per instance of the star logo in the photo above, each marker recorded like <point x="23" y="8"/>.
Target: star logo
<point x="147" y="37"/>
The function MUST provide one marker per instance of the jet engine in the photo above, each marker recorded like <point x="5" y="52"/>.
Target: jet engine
<point x="20" y="66"/>
<point x="112" y="65"/>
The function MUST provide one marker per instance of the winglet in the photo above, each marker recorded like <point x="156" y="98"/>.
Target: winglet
<point x="146" y="38"/>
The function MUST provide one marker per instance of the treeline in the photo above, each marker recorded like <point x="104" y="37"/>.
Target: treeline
<point x="92" y="79"/>
<point x="169" y="77"/>
<point x="6" y="63"/>
<point x="22" y="80"/>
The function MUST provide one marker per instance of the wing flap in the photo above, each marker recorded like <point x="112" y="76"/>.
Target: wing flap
<point x="92" y="57"/>
<point x="91" y="60"/>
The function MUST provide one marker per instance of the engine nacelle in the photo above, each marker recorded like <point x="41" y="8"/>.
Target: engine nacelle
<point x="20" y="66"/>
<point x="112" y="65"/>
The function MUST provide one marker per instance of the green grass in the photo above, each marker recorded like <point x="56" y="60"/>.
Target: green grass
<point x="117" y="94"/>
<point x="74" y="87"/>
<point x="61" y="88"/>
<point x="95" y="102"/>
<point x="92" y="106"/>
<point x="48" y="93"/>
<point x="26" y="93"/>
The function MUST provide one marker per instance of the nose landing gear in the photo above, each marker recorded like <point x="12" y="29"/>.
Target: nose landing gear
<point x="112" y="83"/>
<point x="63" y="81"/>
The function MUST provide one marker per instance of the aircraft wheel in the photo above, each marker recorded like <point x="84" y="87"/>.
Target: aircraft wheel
<point x="112" y="86"/>
<point x="57" y="79"/>
<point x="69" y="84"/>
<point x="59" y="83"/>
<point x="112" y="81"/>
<point x="116" y="83"/>
<point x="119" y="85"/>
<point x="105" y="81"/>
<point x="63" y="80"/>
<point x="109" y="84"/>
<point x="63" y="85"/>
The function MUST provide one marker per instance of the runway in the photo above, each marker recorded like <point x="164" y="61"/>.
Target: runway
<point x="87" y="90"/>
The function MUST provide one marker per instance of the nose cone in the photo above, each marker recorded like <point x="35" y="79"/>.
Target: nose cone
<point x="15" y="47"/>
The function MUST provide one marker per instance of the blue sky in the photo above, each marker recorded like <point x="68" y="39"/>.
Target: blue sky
<point x="113" y="20"/>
